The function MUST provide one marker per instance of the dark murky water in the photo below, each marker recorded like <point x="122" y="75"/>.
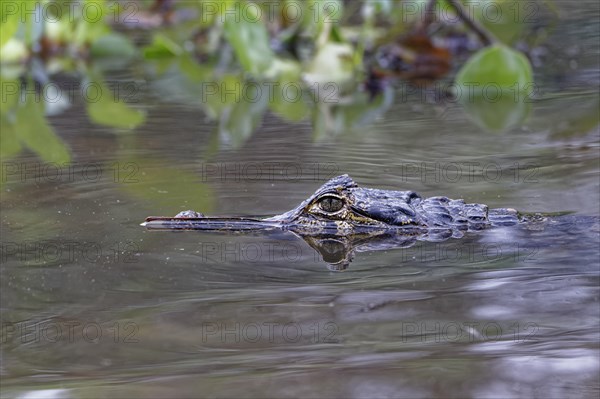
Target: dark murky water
<point x="93" y="305"/>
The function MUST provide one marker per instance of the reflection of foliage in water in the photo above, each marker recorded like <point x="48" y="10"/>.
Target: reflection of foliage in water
<point x="39" y="39"/>
<point x="329" y="62"/>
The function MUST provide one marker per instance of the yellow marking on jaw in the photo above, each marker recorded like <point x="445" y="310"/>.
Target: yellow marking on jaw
<point x="343" y="227"/>
<point x="362" y="219"/>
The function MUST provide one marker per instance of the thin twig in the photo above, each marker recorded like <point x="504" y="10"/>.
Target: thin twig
<point x="429" y="15"/>
<point x="484" y="35"/>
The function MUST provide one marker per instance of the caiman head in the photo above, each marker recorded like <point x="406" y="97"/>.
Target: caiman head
<point x="341" y="207"/>
<point x="341" y="217"/>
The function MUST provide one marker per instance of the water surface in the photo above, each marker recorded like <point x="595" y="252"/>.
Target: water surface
<point x="93" y="305"/>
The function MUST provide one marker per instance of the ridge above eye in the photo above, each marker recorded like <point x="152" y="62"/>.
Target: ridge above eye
<point x="330" y="203"/>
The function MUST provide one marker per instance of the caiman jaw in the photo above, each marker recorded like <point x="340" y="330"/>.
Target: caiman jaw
<point x="225" y="224"/>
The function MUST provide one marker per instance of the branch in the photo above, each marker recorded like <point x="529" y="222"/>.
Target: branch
<point x="484" y="35"/>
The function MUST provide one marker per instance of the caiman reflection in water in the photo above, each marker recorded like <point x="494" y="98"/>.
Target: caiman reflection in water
<point x="341" y="217"/>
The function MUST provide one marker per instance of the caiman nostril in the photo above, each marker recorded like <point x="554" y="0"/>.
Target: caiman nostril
<point x="412" y="196"/>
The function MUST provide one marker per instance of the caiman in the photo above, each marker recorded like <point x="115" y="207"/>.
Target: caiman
<point x="341" y="217"/>
<point x="341" y="207"/>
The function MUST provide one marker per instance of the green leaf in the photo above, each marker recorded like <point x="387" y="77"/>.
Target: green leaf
<point x="289" y="98"/>
<point x="291" y="107"/>
<point x="9" y="23"/>
<point x="112" y="45"/>
<point x="505" y="19"/>
<point x="91" y="25"/>
<point x="34" y="131"/>
<point x="10" y="92"/>
<point x="162" y="47"/>
<point x="13" y="51"/>
<point x="583" y="117"/>
<point x="242" y="118"/>
<point x="382" y="6"/>
<point x="194" y="71"/>
<point x="497" y="65"/>
<point x="250" y="42"/>
<point x="331" y="70"/>
<point x="496" y="116"/>
<point x="492" y="87"/>
<point x="8" y="137"/>
<point x="220" y="95"/>
<point x="352" y="117"/>
<point x="107" y="109"/>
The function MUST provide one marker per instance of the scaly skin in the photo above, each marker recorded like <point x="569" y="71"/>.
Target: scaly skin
<point x="341" y="208"/>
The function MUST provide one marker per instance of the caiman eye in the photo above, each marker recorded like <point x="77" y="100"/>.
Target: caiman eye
<point x="331" y="204"/>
